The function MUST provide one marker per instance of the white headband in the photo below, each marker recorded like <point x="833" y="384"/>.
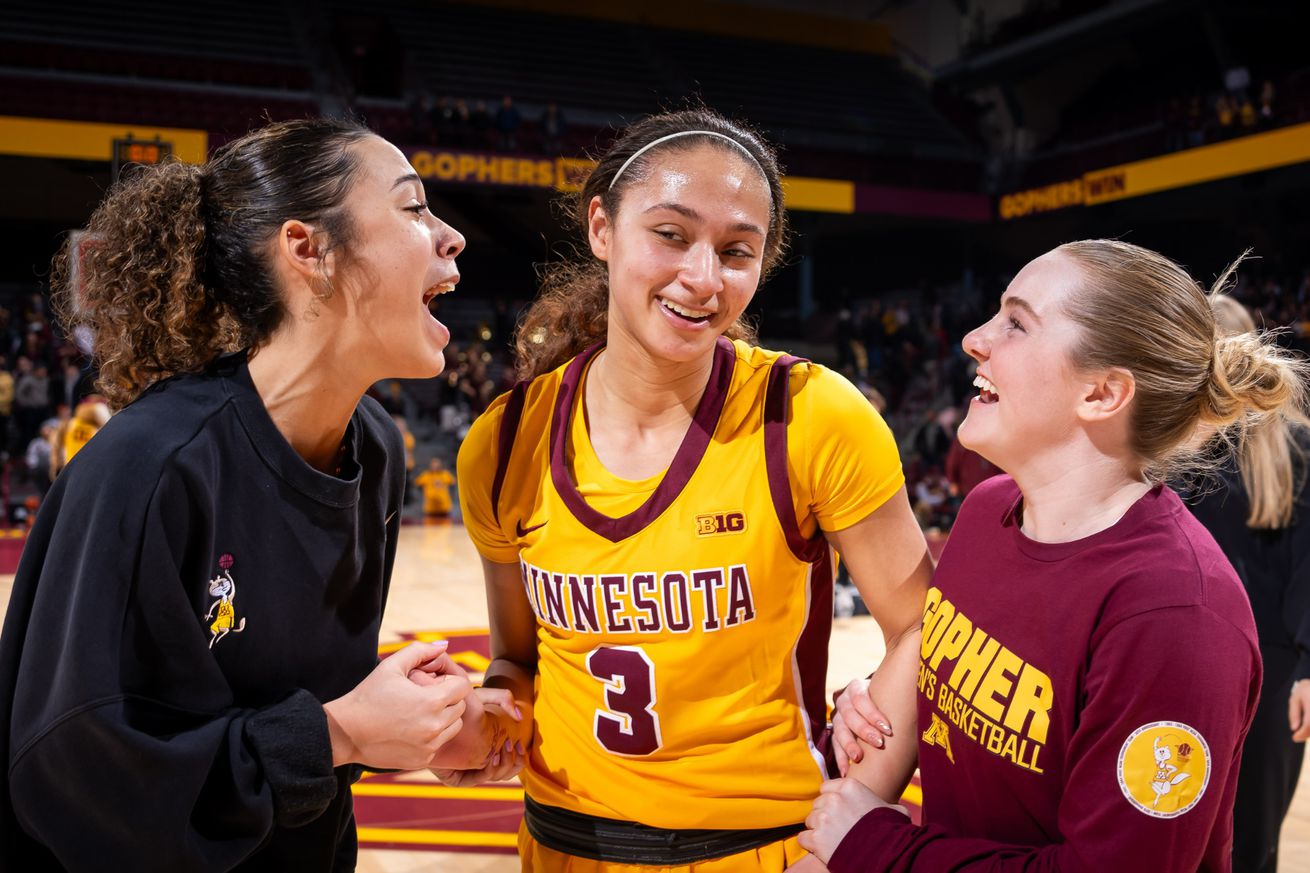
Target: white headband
<point x="650" y="145"/>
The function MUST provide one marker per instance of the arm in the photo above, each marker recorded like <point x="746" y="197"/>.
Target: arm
<point x="891" y="567"/>
<point x="1298" y="605"/>
<point x="1137" y="677"/>
<point x="503" y="731"/>
<point x="513" y="631"/>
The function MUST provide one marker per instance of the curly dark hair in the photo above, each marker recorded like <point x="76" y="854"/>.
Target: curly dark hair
<point x="175" y="268"/>
<point x="572" y="310"/>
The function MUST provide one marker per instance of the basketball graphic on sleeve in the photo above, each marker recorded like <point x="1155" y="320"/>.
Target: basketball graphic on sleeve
<point x="1164" y="768"/>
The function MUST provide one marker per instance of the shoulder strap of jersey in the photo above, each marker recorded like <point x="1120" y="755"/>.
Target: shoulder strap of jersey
<point x="777" y="407"/>
<point x="509" y="428"/>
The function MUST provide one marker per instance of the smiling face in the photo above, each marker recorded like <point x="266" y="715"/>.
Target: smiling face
<point x="685" y="251"/>
<point x="403" y="257"/>
<point x="1029" y="390"/>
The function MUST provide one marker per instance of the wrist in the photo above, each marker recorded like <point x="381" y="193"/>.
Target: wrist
<point x="344" y="750"/>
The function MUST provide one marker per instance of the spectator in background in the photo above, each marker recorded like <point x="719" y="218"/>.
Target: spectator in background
<point x="932" y="439"/>
<point x="31" y="398"/>
<point x="553" y="129"/>
<point x="966" y="469"/>
<point x="846" y="343"/>
<point x="435" y="482"/>
<point x="1267" y="104"/>
<point x="1225" y="112"/>
<point x="408" y="437"/>
<point x="873" y="335"/>
<point x="75" y="432"/>
<point x="508" y="122"/>
<point x="480" y="126"/>
<point x="39" y="455"/>
<point x="72" y="392"/>
<point x="6" y="403"/>
<point x="1260" y="516"/>
<point x="1247" y="116"/>
<point x="461" y="124"/>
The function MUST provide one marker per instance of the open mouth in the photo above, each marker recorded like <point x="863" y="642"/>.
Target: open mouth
<point x="986" y="390"/>
<point x="685" y="313"/>
<point x="436" y="291"/>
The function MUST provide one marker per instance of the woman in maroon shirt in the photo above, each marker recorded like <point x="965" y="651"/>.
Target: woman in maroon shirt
<point x="1089" y="664"/>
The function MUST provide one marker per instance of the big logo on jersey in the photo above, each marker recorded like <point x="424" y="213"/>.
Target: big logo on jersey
<point x="1164" y="768"/>
<point x="720" y="523"/>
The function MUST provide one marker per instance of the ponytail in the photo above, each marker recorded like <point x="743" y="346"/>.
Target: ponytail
<point x="1270" y="457"/>
<point x="139" y="283"/>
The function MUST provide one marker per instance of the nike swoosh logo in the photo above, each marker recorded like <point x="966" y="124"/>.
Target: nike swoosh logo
<point x="524" y="531"/>
<point x="389" y="517"/>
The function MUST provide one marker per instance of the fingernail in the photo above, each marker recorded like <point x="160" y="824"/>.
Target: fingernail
<point x="881" y="742"/>
<point x="885" y="728"/>
<point x="509" y="745"/>
<point x="518" y="713"/>
<point x="522" y="750"/>
<point x="495" y="760"/>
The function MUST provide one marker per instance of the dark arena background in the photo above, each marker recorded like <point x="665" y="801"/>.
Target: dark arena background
<point x="931" y="149"/>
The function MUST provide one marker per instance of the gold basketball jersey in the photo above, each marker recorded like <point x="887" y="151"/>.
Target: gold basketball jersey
<point x="682" y="621"/>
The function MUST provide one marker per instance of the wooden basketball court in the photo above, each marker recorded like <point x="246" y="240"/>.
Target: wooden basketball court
<point x="409" y="823"/>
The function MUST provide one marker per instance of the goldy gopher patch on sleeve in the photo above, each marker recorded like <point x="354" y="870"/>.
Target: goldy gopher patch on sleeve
<point x="1164" y="768"/>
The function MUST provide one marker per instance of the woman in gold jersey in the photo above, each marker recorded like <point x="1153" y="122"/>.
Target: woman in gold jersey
<point x="656" y="505"/>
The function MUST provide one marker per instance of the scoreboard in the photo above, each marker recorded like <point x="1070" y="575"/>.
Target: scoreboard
<point x="131" y="151"/>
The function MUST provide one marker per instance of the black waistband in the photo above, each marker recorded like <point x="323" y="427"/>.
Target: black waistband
<point x="626" y="842"/>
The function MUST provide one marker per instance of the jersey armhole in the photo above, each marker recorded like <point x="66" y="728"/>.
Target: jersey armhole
<point x="509" y="428"/>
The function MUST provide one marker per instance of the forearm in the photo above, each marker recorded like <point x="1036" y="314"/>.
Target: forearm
<point x="888" y="770"/>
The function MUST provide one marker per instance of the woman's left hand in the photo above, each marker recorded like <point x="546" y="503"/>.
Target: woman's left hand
<point x="841" y="803"/>
<point x="505" y="764"/>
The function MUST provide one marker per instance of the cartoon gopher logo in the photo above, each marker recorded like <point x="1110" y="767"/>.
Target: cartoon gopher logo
<point x="224" y="587"/>
<point x="1164" y="768"/>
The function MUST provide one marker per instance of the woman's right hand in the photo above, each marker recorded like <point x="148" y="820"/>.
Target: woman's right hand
<point x="389" y="721"/>
<point x="1298" y="711"/>
<point x="856" y="715"/>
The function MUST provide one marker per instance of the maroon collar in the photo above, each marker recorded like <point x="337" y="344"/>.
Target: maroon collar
<point x="694" y="443"/>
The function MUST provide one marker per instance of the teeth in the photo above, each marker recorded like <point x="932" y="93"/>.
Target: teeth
<point x="437" y="290"/>
<point x="682" y="310"/>
<point x="983" y="383"/>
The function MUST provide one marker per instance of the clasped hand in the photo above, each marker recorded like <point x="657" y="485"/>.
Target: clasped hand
<point x="418" y="709"/>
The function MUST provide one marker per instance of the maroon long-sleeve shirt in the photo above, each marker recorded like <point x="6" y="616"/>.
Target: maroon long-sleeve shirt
<point x="1082" y="705"/>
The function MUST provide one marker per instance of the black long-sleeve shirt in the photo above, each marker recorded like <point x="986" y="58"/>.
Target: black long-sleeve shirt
<point x="190" y="595"/>
<point x="1274" y="565"/>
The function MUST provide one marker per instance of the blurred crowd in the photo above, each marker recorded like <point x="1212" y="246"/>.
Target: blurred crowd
<point x="44" y="383"/>
<point x="459" y="123"/>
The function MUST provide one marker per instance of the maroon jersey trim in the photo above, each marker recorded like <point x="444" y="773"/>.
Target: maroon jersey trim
<point x="812" y="647"/>
<point x="509" y="428"/>
<point x="675" y="478"/>
<point x="777" y="403"/>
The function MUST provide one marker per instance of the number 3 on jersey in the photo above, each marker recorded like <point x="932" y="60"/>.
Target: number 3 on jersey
<point x="628" y="725"/>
